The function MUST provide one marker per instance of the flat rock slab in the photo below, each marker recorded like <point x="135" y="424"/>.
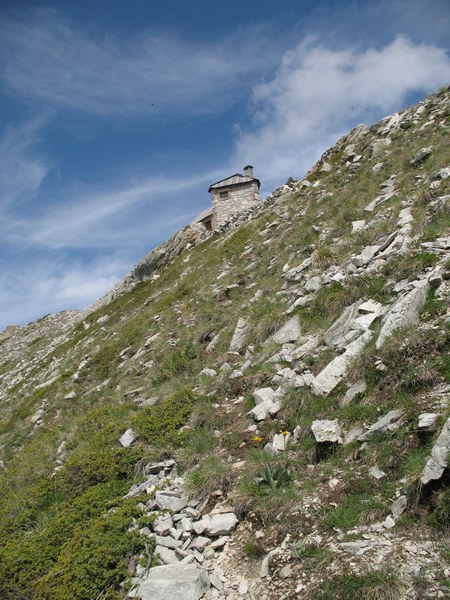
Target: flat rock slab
<point x="404" y="312"/>
<point x="170" y="501"/>
<point x="290" y="332"/>
<point x="337" y="369"/>
<point x="239" y="335"/>
<point x="389" y="422"/>
<point x="172" y="582"/>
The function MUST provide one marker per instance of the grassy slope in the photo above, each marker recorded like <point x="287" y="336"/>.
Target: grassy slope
<point x="52" y="526"/>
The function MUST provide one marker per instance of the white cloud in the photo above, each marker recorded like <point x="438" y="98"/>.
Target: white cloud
<point x="46" y="58"/>
<point x="318" y="93"/>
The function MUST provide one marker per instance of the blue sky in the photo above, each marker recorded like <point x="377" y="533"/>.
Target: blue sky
<point x="116" y="116"/>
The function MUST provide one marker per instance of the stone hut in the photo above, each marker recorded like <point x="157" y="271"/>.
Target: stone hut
<point x="230" y="196"/>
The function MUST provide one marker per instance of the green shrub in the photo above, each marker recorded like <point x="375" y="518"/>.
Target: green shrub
<point x="86" y="468"/>
<point x="27" y="556"/>
<point x="159" y="425"/>
<point x="94" y="560"/>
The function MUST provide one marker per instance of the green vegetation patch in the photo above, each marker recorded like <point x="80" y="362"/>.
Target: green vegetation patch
<point x="159" y="425"/>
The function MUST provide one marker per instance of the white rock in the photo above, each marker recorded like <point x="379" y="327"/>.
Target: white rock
<point x="264" y="409"/>
<point x="313" y="284"/>
<point x="427" y="421"/>
<point x="358" y="225"/>
<point x="163" y="526"/>
<point x="359" y="387"/>
<point x="353" y="435"/>
<point x="167" y="542"/>
<point x="326" y="430"/>
<point x="290" y="332"/>
<point x="389" y="522"/>
<point x="178" y="582"/>
<point x="263" y="395"/>
<point x="280" y="441"/>
<point x="389" y="422"/>
<point x="128" y="438"/>
<point x="221" y="524"/>
<point x="377" y="473"/>
<point x="438" y="461"/>
<point x="167" y="555"/>
<point x="170" y="501"/>
<point x="398" y="507"/>
<point x="265" y="568"/>
<point x="200" y="543"/>
<point x="208" y="372"/>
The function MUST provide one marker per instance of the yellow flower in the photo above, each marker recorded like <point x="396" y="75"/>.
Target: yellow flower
<point x="256" y="438"/>
<point x="284" y="432"/>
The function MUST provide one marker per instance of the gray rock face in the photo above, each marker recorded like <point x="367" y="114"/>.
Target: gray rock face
<point x="422" y="155"/>
<point x="167" y="555"/>
<point x="296" y="274"/>
<point x="177" y="582"/>
<point x="239" y="335"/>
<point x="438" y="461"/>
<point x="404" y="312"/>
<point x="338" y="368"/>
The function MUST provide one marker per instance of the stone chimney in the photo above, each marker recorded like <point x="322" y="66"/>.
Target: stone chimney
<point x="248" y="171"/>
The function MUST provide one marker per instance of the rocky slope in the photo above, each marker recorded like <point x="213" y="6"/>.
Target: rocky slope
<point x="259" y="412"/>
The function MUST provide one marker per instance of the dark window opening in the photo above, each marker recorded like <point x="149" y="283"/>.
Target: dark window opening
<point x="223" y="195"/>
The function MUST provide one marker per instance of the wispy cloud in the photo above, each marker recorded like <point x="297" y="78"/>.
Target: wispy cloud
<point x="48" y="285"/>
<point x="46" y="58"/>
<point x="318" y="93"/>
<point x="118" y="213"/>
<point x="22" y="170"/>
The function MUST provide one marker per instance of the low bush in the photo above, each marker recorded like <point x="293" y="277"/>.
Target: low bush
<point x="159" y="425"/>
